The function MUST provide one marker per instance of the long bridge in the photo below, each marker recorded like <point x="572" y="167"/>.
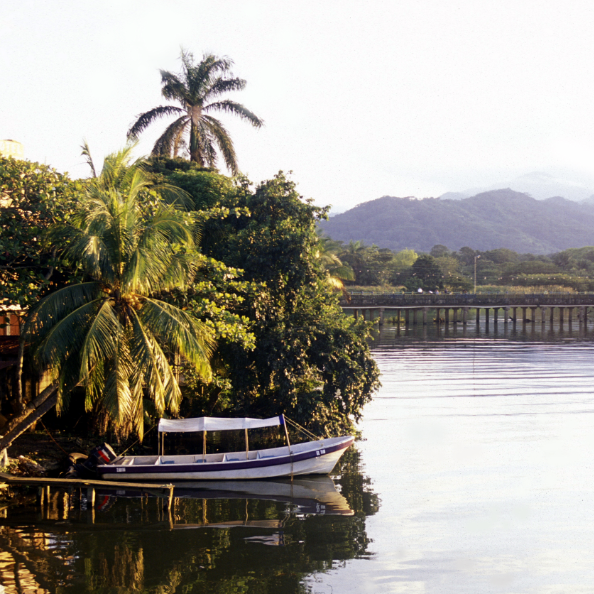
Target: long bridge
<point x="457" y="307"/>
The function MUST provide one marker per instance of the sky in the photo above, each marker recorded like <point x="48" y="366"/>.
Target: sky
<point x="360" y="99"/>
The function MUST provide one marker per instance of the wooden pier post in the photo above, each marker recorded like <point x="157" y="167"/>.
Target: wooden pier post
<point x="446" y="316"/>
<point x="425" y="310"/>
<point x="506" y="315"/>
<point x="464" y="316"/>
<point x="478" y="316"/>
<point x="495" y="311"/>
<point x="552" y="316"/>
<point x="543" y="315"/>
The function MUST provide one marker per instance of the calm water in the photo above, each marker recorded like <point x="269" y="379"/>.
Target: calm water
<point x="475" y="474"/>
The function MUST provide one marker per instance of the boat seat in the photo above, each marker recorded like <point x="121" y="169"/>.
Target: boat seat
<point x="167" y="461"/>
<point x="233" y="458"/>
<point x="263" y="456"/>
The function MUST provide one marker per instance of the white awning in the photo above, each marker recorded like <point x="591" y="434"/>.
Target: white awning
<point x="215" y="424"/>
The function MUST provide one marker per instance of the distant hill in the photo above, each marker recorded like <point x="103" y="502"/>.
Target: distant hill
<point x="490" y="220"/>
<point x="540" y="185"/>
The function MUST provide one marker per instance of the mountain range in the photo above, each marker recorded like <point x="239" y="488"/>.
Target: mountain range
<point x="495" y="219"/>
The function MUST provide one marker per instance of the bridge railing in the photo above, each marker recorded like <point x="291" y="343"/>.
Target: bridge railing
<point x="467" y="299"/>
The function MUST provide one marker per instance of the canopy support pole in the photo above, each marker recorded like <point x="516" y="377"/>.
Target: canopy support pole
<point x="203" y="446"/>
<point x="247" y="446"/>
<point x="287" y="434"/>
<point x="163" y="444"/>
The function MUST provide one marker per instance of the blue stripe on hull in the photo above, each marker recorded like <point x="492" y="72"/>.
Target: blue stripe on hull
<point x="156" y="469"/>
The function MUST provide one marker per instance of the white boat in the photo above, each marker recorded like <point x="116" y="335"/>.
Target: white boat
<point x="312" y="457"/>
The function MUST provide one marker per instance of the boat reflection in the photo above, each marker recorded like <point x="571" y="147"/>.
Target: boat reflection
<point x="303" y="495"/>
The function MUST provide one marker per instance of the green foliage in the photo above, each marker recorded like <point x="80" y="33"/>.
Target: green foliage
<point x="425" y="273"/>
<point x="33" y="197"/>
<point x="309" y="360"/>
<point x="110" y="334"/>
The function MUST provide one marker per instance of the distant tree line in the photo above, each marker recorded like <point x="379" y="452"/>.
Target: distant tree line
<point x="443" y="269"/>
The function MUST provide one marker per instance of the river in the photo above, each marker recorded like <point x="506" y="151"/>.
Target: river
<point x="474" y="474"/>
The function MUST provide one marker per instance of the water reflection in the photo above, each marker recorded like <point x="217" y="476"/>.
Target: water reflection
<point x="263" y="536"/>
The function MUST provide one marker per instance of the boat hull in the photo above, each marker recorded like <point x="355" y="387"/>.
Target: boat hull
<point x="311" y="458"/>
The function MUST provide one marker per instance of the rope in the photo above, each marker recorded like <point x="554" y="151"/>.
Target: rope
<point x="302" y="429"/>
<point x="52" y="438"/>
<point x="136" y="441"/>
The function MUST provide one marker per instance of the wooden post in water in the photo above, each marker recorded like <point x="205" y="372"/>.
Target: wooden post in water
<point x="478" y="316"/>
<point x="425" y="310"/>
<point x="570" y="315"/>
<point x="524" y="316"/>
<point x="446" y="316"/>
<point x="552" y="316"/>
<point x="506" y="315"/>
<point x="533" y="315"/>
<point x="381" y="316"/>
<point x="487" y="316"/>
<point x="495" y="311"/>
<point x="455" y="316"/>
<point x="561" y="317"/>
<point x="543" y="315"/>
<point x="464" y="316"/>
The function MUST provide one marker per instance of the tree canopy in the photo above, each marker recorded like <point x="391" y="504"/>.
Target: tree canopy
<point x="109" y="334"/>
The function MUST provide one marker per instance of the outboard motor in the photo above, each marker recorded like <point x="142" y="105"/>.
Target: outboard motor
<point x="102" y="454"/>
<point x="86" y="466"/>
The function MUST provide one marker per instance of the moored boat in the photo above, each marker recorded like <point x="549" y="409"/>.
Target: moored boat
<point x="312" y="457"/>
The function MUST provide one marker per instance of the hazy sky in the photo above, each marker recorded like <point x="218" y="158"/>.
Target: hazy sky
<point x="360" y="98"/>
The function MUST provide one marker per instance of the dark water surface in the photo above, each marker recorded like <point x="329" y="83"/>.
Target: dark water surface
<point x="475" y="474"/>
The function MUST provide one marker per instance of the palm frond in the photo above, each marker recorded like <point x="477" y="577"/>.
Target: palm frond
<point x="223" y="85"/>
<point x="224" y="142"/>
<point x="86" y="152"/>
<point x="237" y="109"/>
<point x="165" y="142"/>
<point x="147" y="118"/>
<point x="99" y="343"/>
<point x="181" y="331"/>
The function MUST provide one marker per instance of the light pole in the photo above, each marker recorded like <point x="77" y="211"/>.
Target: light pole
<point x="475" y="259"/>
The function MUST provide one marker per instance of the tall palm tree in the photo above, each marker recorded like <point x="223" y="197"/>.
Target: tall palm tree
<point x="110" y="334"/>
<point x="198" y="89"/>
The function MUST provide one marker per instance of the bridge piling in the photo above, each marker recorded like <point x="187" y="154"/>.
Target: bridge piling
<point x="425" y="310"/>
<point x="495" y="310"/>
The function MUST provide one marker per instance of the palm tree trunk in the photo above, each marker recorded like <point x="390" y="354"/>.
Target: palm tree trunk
<point x="32" y="413"/>
<point x="195" y="154"/>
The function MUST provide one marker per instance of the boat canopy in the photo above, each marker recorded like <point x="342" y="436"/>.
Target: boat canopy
<point x="216" y="424"/>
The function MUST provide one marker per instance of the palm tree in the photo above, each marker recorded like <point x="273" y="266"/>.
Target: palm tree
<point x="198" y="89"/>
<point x="336" y="270"/>
<point x="110" y="334"/>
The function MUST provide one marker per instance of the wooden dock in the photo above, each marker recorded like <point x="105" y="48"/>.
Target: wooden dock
<point x="44" y="485"/>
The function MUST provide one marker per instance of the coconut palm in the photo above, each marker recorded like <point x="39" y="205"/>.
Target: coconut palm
<point x="198" y="89"/>
<point x="336" y="270"/>
<point x="110" y="334"/>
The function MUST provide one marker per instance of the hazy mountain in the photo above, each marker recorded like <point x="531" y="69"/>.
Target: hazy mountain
<point x="539" y="185"/>
<point x="489" y="220"/>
